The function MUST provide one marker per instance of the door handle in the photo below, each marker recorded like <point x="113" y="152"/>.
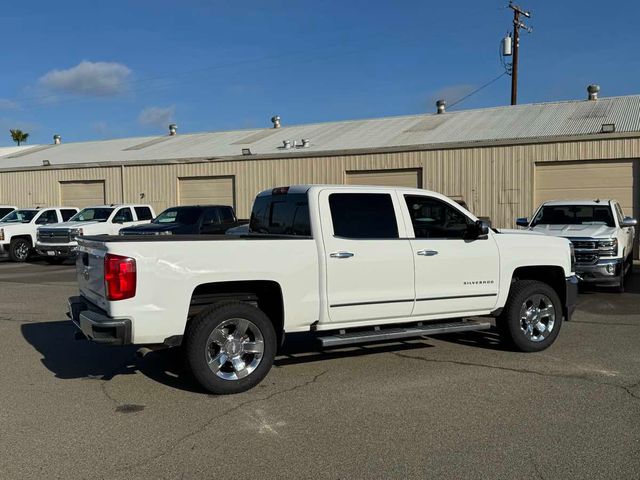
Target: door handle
<point x="427" y="253"/>
<point x="341" y="255"/>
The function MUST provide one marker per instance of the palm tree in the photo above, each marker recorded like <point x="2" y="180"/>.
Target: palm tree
<point x="18" y="136"/>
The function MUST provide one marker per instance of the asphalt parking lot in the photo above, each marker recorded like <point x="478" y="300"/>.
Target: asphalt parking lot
<point x="456" y="406"/>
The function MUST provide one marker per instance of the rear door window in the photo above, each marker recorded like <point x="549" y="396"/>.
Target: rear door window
<point x="286" y="214"/>
<point x="67" y="214"/>
<point x="363" y="215"/>
<point x="226" y="215"/>
<point x="143" y="213"/>
<point x="210" y="217"/>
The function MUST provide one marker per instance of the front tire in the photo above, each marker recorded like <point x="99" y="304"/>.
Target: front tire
<point x="19" y="250"/>
<point x="230" y="347"/>
<point x="532" y="316"/>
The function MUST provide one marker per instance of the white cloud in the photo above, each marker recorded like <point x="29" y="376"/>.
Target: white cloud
<point x="451" y="94"/>
<point x="157" y="116"/>
<point x="6" y="104"/>
<point x="88" y="78"/>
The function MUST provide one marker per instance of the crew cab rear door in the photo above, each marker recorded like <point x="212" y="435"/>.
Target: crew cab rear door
<point x="369" y="262"/>
<point x="453" y="273"/>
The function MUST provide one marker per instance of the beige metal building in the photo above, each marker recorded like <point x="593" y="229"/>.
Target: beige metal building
<point x="501" y="161"/>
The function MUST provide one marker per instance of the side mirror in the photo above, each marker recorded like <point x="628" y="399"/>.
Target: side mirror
<point x="477" y="230"/>
<point x="522" y="222"/>
<point x="629" y="222"/>
<point x="483" y="228"/>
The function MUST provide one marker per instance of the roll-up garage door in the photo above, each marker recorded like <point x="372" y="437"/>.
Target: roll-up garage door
<point x="206" y="190"/>
<point x="82" y="193"/>
<point x="587" y="180"/>
<point x="616" y="180"/>
<point x="388" y="178"/>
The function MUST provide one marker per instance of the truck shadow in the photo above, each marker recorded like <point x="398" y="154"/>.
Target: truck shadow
<point x="68" y="358"/>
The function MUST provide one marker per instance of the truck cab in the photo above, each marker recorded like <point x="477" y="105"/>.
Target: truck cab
<point x="602" y="236"/>
<point x="18" y="229"/>
<point x="59" y="242"/>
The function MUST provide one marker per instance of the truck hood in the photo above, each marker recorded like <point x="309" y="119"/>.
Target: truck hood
<point x="580" y="231"/>
<point x="519" y="231"/>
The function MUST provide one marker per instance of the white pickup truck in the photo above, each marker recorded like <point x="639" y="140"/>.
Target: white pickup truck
<point x="58" y="242"/>
<point x="603" y="237"/>
<point x="349" y="264"/>
<point x="18" y="229"/>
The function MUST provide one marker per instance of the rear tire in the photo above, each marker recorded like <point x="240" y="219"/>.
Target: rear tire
<point x="230" y="347"/>
<point x="532" y="316"/>
<point x="19" y="250"/>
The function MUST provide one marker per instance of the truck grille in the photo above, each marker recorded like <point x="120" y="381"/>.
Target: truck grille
<point x="584" y="244"/>
<point x="586" y="251"/>
<point x="586" y="258"/>
<point x="53" y="236"/>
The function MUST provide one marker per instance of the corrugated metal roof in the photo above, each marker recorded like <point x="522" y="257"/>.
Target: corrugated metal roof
<point x="533" y="121"/>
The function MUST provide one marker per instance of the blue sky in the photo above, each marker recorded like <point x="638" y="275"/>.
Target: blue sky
<point x="95" y="70"/>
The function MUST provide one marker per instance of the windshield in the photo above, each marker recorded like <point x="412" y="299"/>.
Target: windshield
<point x="20" y="216"/>
<point x="92" y="215"/>
<point x="574" y="215"/>
<point x="183" y="215"/>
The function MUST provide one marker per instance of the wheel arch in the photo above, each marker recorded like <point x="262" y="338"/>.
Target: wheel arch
<point x="552" y="275"/>
<point x="265" y="294"/>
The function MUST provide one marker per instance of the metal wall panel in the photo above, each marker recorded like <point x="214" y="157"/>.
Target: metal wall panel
<point x="494" y="181"/>
<point x="33" y="188"/>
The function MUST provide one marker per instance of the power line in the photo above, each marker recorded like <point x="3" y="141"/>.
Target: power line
<point x="478" y="89"/>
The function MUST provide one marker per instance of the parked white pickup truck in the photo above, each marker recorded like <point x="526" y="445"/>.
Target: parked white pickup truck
<point x="59" y="242"/>
<point x="349" y="264"/>
<point x="18" y="229"/>
<point x="603" y="237"/>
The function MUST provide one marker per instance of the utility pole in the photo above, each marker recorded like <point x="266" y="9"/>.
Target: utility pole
<point x="517" y="25"/>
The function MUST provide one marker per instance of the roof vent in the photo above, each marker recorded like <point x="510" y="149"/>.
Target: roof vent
<point x="593" y="91"/>
<point x="286" y="144"/>
<point x="173" y="129"/>
<point x="276" y="121"/>
<point x="57" y="139"/>
<point x="305" y="143"/>
<point x="440" y="106"/>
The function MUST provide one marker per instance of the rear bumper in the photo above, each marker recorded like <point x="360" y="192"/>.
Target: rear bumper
<point x="96" y="325"/>
<point x="4" y="249"/>
<point x="605" y="272"/>
<point x="571" y="295"/>
<point x="53" y="250"/>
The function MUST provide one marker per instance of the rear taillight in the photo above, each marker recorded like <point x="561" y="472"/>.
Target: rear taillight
<point x="119" y="277"/>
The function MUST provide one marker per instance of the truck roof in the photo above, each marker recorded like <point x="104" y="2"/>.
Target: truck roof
<point x="116" y="205"/>
<point x="560" y="203"/>
<point x="307" y="187"/>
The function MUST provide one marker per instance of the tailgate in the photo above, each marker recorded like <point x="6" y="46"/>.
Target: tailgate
<point x="90" y="271"/>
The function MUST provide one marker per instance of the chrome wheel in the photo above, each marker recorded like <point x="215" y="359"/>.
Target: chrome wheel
<point x="22" y="251"/>
<point x="537" y="317"/>
<point x="234" y="349"/>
